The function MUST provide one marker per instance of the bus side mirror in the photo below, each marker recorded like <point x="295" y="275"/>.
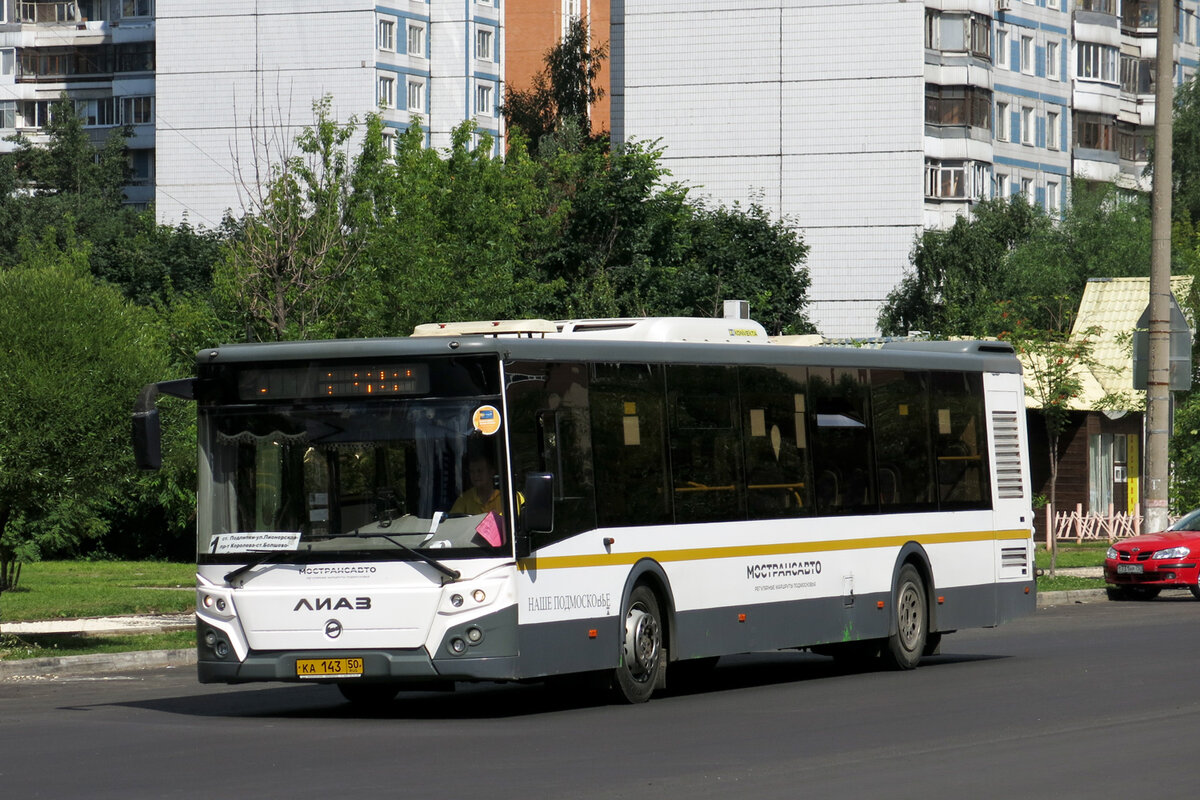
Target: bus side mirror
<point x="147" y="430"/>
<point x="537" y="512"/>
<point x="147" y="439"/>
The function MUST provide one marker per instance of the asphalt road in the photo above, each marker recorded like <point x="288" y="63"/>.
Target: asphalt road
<point x="1093" y="700"/>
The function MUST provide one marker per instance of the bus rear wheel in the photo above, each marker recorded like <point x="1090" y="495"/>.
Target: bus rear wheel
<point x="643" y="657"/>
<point x="905" y="647"/>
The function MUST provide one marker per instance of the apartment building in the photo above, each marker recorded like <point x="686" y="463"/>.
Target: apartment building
<point x="237" y="82"/>
<point x="101" y="54"/>
<point x="864" y="121"/>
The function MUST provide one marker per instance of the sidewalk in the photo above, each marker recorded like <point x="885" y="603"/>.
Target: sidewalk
<point x="100" y="663"/>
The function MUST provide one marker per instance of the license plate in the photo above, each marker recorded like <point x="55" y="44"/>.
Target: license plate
<point x="1130" y="569"/>
<point x="329" y="667"/>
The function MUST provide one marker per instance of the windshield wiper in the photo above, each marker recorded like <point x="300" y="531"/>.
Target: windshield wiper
<point x="449" y="572"/>
<point x="274" y="556"/>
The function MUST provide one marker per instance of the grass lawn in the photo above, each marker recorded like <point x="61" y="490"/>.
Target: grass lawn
<point x="71" y="589"/>
<point x="14" y="648"/>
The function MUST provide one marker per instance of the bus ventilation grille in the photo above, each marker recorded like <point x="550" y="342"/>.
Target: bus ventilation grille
<point x="1014" y="558"/>
<point x="1009" y="485"/>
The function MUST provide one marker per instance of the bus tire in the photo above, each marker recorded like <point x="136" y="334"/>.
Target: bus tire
<point x="905" y="646"/>
<point x="368" y="695"/>
<point x="643" y="656"/>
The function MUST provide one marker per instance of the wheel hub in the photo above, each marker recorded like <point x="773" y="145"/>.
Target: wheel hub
<point x="642" y="643"/>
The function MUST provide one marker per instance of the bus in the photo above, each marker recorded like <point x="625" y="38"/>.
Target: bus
<point x="517" y="500"/>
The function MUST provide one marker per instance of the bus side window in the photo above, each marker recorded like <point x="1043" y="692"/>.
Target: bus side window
<point x="903" y="445"/>
<point x="841" y="442"/>
<point x="775" y="441"/>
<point x="550" y="432"/>
<point x="628" y="432"/>
<point x="959" y="445"/>
<point x="706" y="447"/>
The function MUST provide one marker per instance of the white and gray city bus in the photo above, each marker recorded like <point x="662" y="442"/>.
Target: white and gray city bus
<point x="656" y="493"/>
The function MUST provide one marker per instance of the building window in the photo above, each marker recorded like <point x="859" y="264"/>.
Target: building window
<point x="1053" y="199"/>
<point x="1027" y="125"/>
<point x="1002" y="187"/>
<point x="137" y="8"/>
<point x="1052" y="127"/>
<point x="8" y="61"/>
<point x="137" y="110"/>
<point x="1027" y="189"/>
<point x="483" y="44"/>
<point x="1137" y="75"/>
<point x="1002" y="47"/>
<point x="8" y="113"/>
<point x="1052" y="60"/>
<point x="1100" y="6"/>
<point x="28" y="11"/>
<point x="135" y="57"/>
<point x="387" y="92"/>
<point x="1094" y="131"/>
<point x="416" y="96"/>
<point x="98" y="113"/>
<point x="416" y="40"/>
<point x="958" y="105"/>
<point x="1027" y="55"/>
<point x="389" y="142"/>
<point x="385" y="35"/>
<point x="35" y="113"/>
<point x="483" y="99"/>
<point x="1002" y="126"/>
<point x="141" y="167"/>
<point x="1052" y="4"/>
<point x="1097" y="62"/>
<point x="1133" y="143"/>
<point x="1139" y="13"/>
<point x="957" y="33"/>
<point x="957" y="180"/>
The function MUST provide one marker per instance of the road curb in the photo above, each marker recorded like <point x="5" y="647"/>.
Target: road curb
<point x="1050" y="599"/>
<point x="98" y="664"/>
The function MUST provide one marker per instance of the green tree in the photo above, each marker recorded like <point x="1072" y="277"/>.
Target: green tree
<point x="71" y="185"/>
<point x="954" y="278"/>
<point x="736" y="253"/>
<point x="1010" y="251"/>
<point x="74" y="354"/>
<point x="1185" y="152"/>
<point x="446" y="236"/>
<point x="284" y="267"/>
<point x="562" y="92"/>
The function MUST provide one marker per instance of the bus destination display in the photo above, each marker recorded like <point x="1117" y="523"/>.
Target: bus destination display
<point x="368" y="380"/>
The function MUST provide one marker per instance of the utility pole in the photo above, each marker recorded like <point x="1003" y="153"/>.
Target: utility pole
<point x="1158" y="393"/>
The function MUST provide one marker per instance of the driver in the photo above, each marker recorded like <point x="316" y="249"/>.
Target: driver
<point x="482" y="495"/>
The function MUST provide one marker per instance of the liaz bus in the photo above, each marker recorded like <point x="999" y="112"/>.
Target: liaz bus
<point x="516" y="500"/>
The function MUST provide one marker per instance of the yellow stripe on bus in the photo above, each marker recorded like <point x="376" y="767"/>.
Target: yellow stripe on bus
<point x="746" y="551"/>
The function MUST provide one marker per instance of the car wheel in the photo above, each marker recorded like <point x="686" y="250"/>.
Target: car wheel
<point x="643" y="657"/>
<point x="1195" y="590"/>
<point x="904" y="647"/>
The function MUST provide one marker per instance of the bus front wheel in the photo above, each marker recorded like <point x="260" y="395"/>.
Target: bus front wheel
<point x="643" y="656"/>
<point x="905" y="646"/>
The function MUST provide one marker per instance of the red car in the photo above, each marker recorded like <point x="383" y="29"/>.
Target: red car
<point x="1141" y="567"/>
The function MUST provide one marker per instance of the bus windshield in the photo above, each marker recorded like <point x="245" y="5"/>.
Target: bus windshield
<point x="334" y="478"/>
